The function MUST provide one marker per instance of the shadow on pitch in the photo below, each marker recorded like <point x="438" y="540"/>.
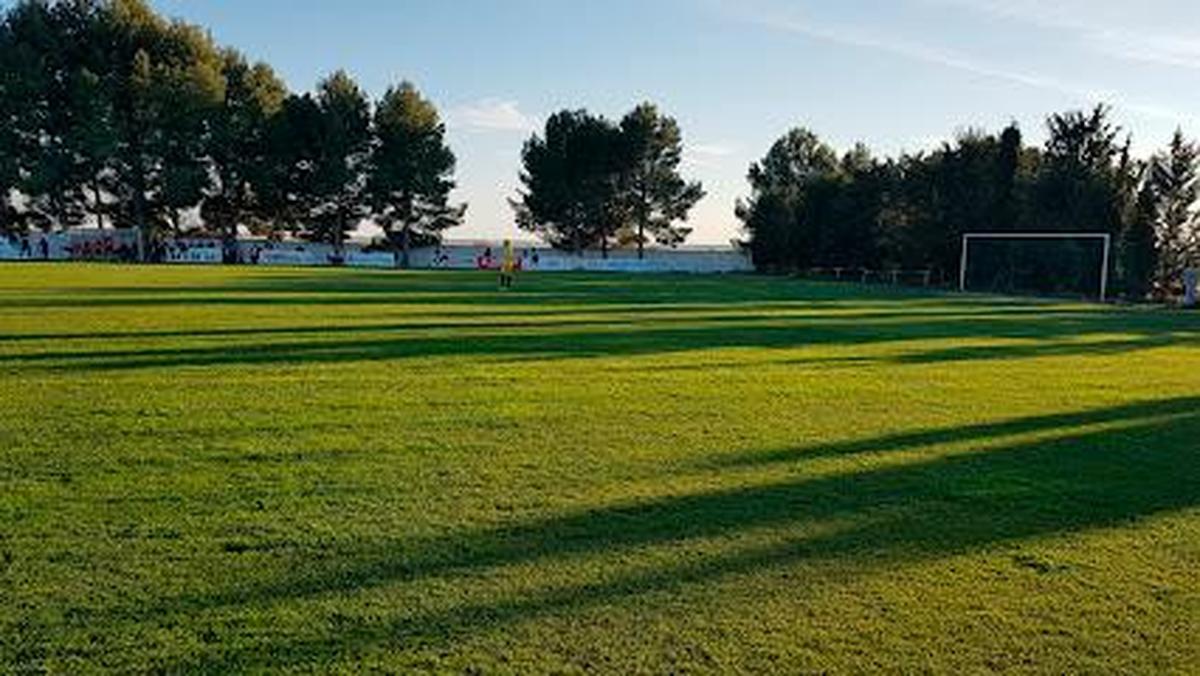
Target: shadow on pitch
<point x="627" y="316"/>
<point x="274" y="287"/>
<point x="1054" y="334"/>
<point x="1144" y="463"/>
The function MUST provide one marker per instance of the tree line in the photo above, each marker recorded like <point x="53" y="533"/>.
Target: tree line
<point x="811" y="207"/>
<point x="113" y="115"/>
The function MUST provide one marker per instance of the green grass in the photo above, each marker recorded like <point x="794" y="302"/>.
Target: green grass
<point x="226" y="469"/>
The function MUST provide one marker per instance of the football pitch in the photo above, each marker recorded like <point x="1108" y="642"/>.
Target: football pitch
<point x="222" y="469"/>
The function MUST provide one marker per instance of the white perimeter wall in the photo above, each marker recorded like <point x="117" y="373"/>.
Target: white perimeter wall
<point x="453" y="255"/>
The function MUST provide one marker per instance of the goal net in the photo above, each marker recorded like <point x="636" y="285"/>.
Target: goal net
<point x="1048" y="263"/>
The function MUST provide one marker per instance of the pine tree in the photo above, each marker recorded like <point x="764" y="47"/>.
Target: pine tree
<point x="239" y="150"/>
<point x="657" y="197"/>
<point x="411" y="172"/>
<point x="1138" y="248"/>
<point x="1175" y="178"/>
<point x="571" y="174"/>
<point x="786" y="193"/>
<point x="343" y="138"/>
<point x="166" y="82"/>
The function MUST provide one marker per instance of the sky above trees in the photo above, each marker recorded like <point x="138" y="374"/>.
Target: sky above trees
<point x="736" y="74"/>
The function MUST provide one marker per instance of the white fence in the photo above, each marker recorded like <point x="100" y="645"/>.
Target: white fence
<point x="195" y="256"/>
<point x="461" y="256"/>
<point x="687" y="260"/>
<point x="120" y="245"/>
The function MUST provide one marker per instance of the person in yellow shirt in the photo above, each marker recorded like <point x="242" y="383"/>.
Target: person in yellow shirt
<point x="508" y="265"/>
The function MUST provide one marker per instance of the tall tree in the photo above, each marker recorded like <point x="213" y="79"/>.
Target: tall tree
<point x="1008" y="169"/>
<point x="12" y="113"/>
<point x="1078" y="186"/>
<point x="239" y="150"/>
<point x="1175" y="180"/>
<point x="343" y="144"/>
<point x="657" y="196"/>
<point x="166" y="81"/>
<point x="89" y="135"/>
<point x="412" y="169"/>
<point x="1138" y="247"/>
<point x="92" y="140"/>
<point x="850" y="234"/>
<point x="571" y="176"/>
<point x="787" y="188"/>
<point x="41" y="55"/>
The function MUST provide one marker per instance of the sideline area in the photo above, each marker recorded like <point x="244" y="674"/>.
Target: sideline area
<point x="93" y="245"/>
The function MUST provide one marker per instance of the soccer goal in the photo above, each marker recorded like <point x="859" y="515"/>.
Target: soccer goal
<point x="1078" y="261"/>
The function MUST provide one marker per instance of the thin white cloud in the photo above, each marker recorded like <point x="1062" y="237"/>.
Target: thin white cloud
<point x="1159" y="50"/>
<point x="851" y="36"/>
<point x="1105" y="28"/>
<point x="707" y="155"/>
<point x="713" y="149"/>
<point x="492" y="115"/>
<point x="915" y="51"/>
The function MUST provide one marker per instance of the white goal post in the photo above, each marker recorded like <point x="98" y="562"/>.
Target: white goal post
<point x="971" y="236"/>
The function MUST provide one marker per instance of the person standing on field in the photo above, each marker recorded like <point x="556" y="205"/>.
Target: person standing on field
<point x="508" y="265"/>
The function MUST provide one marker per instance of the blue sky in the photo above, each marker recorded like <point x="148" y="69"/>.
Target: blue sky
<point x="735" y="73"/>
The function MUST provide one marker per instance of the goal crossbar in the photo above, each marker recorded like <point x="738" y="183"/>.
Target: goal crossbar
<point x="1102" y="236"/>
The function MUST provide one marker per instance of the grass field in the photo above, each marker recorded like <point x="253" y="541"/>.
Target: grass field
<point x="230" y="469"/>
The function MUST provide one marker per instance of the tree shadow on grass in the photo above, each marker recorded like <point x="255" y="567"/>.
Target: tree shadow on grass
<point x="625" y="316"/>
<point x="574" y="340"/>
<point x="343" y="287"/>
<point x="982" y="432"/>
<point x="1147" y="464"/>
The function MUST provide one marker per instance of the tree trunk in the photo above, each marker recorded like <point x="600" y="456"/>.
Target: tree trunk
<point x="405" y="245"/>
<point x="139" y="199"/>
<point x="99" y="208"/>
<point x="139" y="223"/>
<point x="229" y="248"/>
<point x="339" y="237"/>
<point x="643" y="215"/>
<point x="229" y="227"/>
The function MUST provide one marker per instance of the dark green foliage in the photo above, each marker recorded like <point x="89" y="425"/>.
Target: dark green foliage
<point x="167" y="82"/>
<point x="240" y="150"/>
<point x="110" y="113"/>
<point x="1077" y="186"/>
<point x="294" y="143"/>
<point x="571" y="178"/>
<point x="41" y="80"/>
<point x="589" y="183"/>
<point x="657" y="196"/>
<point x="320" y="148"/>
<point x="12" y="100"/>
<point x="343" y="137"/>
<point x="809" y="210"/>
<point x="1174" y="176"/>
<point x="787" y="190"/>
<point x="1139" y="253"/>
<point x="411" y="172"/>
